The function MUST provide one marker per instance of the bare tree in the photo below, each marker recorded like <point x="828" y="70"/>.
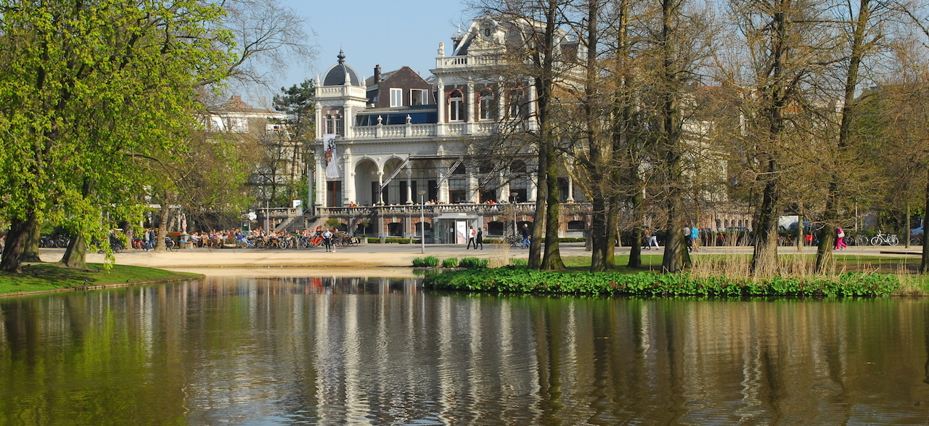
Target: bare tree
<point x="783" y="53"/>
<point x="539" y="55"/>
<point x="861" y="36"/>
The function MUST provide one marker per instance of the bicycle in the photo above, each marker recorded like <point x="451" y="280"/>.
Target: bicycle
<point x="882" y="238"/>
<point x="513" y="241"/>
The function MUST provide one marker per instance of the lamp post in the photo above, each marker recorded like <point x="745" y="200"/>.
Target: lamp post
<point x="422" y="220"/>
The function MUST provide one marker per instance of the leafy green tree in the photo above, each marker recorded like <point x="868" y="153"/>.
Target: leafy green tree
<point x="87" y="89"/>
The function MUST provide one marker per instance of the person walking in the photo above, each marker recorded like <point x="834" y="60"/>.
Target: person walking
<point x="525" y="233"/>
<point x="472" y="234"/>
<point x="327" y="240"/>
<point x="694" y="238"/>
<point x="479" y="239"/>
<point x="840" y="238"/>
<point x="650" y="239"/>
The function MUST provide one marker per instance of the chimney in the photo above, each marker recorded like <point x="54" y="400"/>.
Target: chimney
<point x="377" y="74"/>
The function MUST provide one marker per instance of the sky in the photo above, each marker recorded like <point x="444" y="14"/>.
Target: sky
<point x="386" y="33"/>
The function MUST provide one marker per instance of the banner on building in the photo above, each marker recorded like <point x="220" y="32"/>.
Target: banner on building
<point x="332" y="168"/>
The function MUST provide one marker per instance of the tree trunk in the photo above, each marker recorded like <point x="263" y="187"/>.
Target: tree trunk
<point x="635" y="251"/>
<point x="31" y="242"/>
<point x="612" y="227"/>
<point x="764" y="259"/>
<point x="162" y="229"/>
<point x="598" y="233"/>
<point x="924" y="266"/>
<point x="13" y="250"/>
<point x="75" y="256"/>
<point x="552" y="259"/>
<point x="673" y="259"/>
<point x="538" y="218"/>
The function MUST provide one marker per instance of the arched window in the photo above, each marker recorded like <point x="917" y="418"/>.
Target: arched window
<point x="455" y="106"/>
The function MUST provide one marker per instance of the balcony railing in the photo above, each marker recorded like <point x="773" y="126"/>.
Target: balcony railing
<point x="438" y="209"/>
<point x="467" y="61"/>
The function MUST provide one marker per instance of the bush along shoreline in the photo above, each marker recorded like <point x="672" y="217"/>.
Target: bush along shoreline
<point x="523" y="280"/>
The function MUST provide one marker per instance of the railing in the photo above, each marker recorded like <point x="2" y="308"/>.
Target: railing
<point x="396" y="131"/>
<point x="437" y="209"/>
<point x="467" y="61"/>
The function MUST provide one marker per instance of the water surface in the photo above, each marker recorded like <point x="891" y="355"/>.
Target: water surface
<point x="376" y="350"/>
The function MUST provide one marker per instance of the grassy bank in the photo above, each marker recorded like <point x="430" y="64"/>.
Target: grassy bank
<point x="47" y="277"/>
<point x="711" y="275"/>
<point x="523" y="280"/>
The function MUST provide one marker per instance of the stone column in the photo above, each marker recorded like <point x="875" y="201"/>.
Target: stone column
<point x="320" y="180"/>
<point x="443" y="187"/>
<point x="533" y="99"/>
<point x="531" y="187"/>
<point x="380" y="183"/>
<point x="470" y="109"/>
<point x="473" y="194"/>
<point x="570" y="189"/>
<point x="409" y="184"/>
<point x="440" y="107"/>
<point x="348" y="178"/>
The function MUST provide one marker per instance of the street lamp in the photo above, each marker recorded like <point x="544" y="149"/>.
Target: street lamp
<point x="422" y="220"/>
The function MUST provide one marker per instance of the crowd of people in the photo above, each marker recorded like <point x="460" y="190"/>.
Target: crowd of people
<point x="239" y="238"/>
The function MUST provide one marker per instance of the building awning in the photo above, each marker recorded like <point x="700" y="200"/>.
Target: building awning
<point x="456" y="216"/>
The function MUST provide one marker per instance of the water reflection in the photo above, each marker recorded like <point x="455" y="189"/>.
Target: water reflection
<point x="377" y="350"/>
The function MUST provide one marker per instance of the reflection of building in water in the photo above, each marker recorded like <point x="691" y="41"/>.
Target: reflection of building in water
<point x="246" y="350"/>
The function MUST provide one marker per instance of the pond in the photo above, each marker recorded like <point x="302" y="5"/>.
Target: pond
<point x="376" y="350"/>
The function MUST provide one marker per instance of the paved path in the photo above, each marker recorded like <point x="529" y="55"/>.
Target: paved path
<point x="384" y="255"/>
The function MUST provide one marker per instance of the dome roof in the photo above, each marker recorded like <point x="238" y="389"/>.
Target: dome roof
<point x="341" y="73"/>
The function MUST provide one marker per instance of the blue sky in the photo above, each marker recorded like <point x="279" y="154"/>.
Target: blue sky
<point x="389" y="33"/>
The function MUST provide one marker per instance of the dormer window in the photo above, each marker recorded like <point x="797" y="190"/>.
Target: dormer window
<point x="455" y="106"/>
<point x="396" y="97"/>
<point x="419" y="97"/>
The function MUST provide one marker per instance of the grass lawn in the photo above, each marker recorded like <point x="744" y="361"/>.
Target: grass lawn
<point x="48" y="276"/>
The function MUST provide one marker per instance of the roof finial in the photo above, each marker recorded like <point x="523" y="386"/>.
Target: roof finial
<point x="341" y="56"/>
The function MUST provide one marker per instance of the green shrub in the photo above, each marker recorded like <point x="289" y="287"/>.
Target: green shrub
<point x="522" y="280"/>
<point x="451" y="262"/>
<point x="472" y="263"/>
<point x="519" y="262"/>
<point x="426" y="262"/>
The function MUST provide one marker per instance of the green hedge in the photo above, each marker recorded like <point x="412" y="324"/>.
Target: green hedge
<point x="472" y="262"/>
<point x="522" y="280"/>
<point x="426" y="262"/>
<point x="392" y="240"/>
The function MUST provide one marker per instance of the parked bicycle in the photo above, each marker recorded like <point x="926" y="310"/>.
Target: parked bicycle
<point x="882" y="238"/>
<point x="513" y="241"/>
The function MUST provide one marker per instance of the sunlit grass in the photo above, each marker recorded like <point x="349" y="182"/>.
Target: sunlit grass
<point x="44" y="277"/>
